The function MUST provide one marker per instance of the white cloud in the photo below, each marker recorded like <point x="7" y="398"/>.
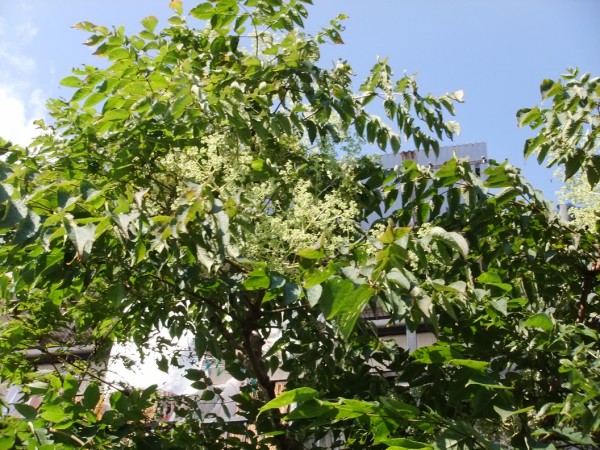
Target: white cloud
<point x="20" y="103"/>
<point x="17" y="113"/>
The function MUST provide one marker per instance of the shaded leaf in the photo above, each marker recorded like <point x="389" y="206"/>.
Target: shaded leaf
<point x="28" y="412"/>
<point x="452" y="239"/>
<point x="82" y="237"/>
<point x="541" y="320"/>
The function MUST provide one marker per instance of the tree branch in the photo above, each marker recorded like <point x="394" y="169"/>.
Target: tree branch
<point x="589" y="278"/>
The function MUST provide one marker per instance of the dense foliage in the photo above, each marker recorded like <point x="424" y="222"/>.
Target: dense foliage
<point x="569" y="136"/>
<point x="195" y="185"/>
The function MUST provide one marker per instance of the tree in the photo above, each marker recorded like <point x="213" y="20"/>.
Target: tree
<point x="193" y="186"/>
<point x="569" y="136"/>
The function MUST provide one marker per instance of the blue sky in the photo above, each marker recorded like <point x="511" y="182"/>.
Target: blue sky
<point x="498" y="52"/>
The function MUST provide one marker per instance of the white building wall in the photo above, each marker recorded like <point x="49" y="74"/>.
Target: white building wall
<point x="476" y="154"/>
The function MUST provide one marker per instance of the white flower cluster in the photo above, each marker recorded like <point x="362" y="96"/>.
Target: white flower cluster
<point x="282" y="214"/>
<point x="585" y="199"/>
<point x="213" y="162"/>
<point x="307" y="222"/>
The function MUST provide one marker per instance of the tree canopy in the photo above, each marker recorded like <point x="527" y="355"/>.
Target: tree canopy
<point x="197" y="184"/>
<point x="569" y="137"/>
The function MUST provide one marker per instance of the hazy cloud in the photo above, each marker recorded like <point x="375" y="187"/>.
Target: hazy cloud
<point x="16" y="62"/>
<point x="26" y="32"/>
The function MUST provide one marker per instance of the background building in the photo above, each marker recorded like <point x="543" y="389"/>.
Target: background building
<point x="476" y="154"/>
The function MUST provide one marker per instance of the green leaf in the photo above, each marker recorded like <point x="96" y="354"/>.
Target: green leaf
<point x="258" y="164"/>
<point x="276" y="281"/>
<point x="572" y="166"/>
<point x="82" y="237"/>
<point x="94" y="99"/>
<point x="592" y="170"/>
<point x="16" y="212"/>
<point x="116" y="115"/>
<point x="256" y="280"/>
<point x="541" y="320"/>
<point x="452" y="239"/>
<point x="176" y="20"/>
<point x="359" y="124"/>
<point x="163" y="364"/>
<point x="137" y="88"/>
<point x="309" y="410"/>
<point x="119" y="53"/>
<point x="488" y="383"/>
<point x="7" y="442"/>
<point x="149" y="23"/>
<point x="526" y="116"/>
<point x="28" y="228"/>
<point x="433" y="354"/>
<point x="313" y="294"/>
<point x="340" y="300"/>
<point x="157" y="82"/>
<point x="506" y="413"/>
<point x="292" y="293"/>
<point x="480" y="366"/>
<point x="550" y="88"/>
<point x="395" y="143"/>
<point x="38" y="387"/>
<point x="382" y="138"/>
<point x="397" y="276"/>
<point x="28" y="412"/>
<point x="489" y="277"/>
<point x="177" y="6"/>
<point x="140" y="251"/>
<point x="54" y="413"/>
<point x="310" y="253"/>
<point x="71" y="81"/>
<point x="6" y="192"/>
<point x="405" y="444"/>
<point x="218" y="45"/>
<point x="497" y="177"/>
<point x="311" y="128"/>
<point x="372" y="128"/>
<point x="180" y="104"/>
<point x="195" y="374"/>
<point x="336" y="293"/>
<point x="204" y="11"/>
<point x="94" y="39"/>
<point x="299" y="395"/>
<point x="318" y="276"/>
<point x="116" y="293"/>
<point x="457" y="286"/>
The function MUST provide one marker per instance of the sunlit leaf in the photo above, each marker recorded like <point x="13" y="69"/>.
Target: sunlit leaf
<point x="71" y="81"/>
<point x="82" y="238"/>
<point x="287" y="398"/>
<point x="150" y="23"/>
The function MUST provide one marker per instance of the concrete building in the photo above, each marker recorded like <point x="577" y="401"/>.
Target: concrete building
<point x="476" y="154"/>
